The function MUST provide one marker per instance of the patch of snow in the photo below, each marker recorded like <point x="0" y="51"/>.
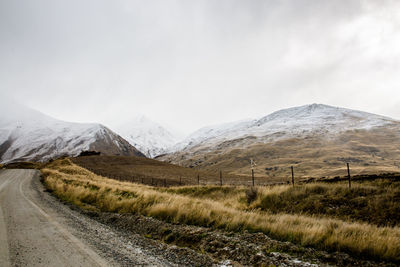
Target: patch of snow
<point x="149" y="137"/>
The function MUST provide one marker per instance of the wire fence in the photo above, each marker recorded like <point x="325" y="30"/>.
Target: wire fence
<point x="222" y="178"/>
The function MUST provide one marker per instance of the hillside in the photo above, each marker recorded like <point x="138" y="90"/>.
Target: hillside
<point x="316" y="139"/>
<point x="29" y="135"/>
<point x="319" y="223"/>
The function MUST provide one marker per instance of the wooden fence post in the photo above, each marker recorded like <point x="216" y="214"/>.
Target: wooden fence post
<point x="291" y="167"/>
<point x="165" y="182"/>
<point x="152" y="180"/>
<point x="198" y="179"/>
<point x="348" y="174"/>
<point x="252" y="175"/>
<point x="180" y="180"/>
<point x="220" y="178"/>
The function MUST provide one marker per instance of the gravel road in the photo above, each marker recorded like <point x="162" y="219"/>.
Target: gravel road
<point x="38" y="230"/>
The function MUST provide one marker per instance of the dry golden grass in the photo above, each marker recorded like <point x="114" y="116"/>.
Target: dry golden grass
<point x="374" y="202"/>
<point x="221" y="207"/>
<point x="23" y="165"/>
<point x="150" y="171"/>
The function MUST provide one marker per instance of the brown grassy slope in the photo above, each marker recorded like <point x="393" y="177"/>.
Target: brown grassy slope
<point x="106" y="144"/>
<point x="368" y="152"/>
<point x="226" y="210"/>
<point x="376" y="202"/>
<point x="135" y="168"/>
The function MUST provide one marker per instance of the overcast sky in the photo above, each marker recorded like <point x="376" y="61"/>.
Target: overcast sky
<point x="187" y="64"/>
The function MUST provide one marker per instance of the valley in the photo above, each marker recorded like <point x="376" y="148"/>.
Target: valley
<point x="159" y="173"/>
<point x="196" y="199"/>
<point x="200" y="133"/>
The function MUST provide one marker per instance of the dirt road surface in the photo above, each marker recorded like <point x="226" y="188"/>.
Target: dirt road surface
<point x="38" y="230"/>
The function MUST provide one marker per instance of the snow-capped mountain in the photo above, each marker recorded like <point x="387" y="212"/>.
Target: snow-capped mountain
<point x="27" y="134"/>
<point x="287" y="123"/>
<point x="317" y="138"/>
<point x="149" y="137"/>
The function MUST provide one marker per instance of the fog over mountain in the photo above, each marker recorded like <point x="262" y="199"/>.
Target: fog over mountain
<point x="191" y="64"/>
<point x="149" y="137"/>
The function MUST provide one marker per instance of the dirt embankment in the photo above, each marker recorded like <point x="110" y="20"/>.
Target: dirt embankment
<point x="232" y="248"/>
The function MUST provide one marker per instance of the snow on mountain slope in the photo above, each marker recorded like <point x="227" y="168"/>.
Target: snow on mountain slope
<point x="149" y="137"/>
<point x="287" y="123"/>
<point x="316" y="139"/>
<point x="27" y="134"/>
<point x="318" y="117"/>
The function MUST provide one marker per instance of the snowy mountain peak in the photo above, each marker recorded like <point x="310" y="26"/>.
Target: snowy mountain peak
<point x="149" y="137"/>
<point x="317" y="115"/>
<point x="27" y="134"/>
<point x="286" y="123"/>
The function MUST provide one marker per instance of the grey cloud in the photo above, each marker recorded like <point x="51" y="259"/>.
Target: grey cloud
<point x="191" y="63"/>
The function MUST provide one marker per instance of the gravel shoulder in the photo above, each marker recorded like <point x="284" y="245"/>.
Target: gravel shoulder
<point x="38" y="230"/>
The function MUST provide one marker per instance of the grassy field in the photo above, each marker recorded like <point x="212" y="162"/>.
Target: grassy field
<point x="374" y="202"/>
<point x="239" y="208"/>
<point x="154" y="172"/>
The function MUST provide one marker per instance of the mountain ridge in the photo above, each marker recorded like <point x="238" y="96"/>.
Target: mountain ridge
<point x="336" y="132"/>
<point x="29" y="135"/>
<point x="286" y="119"/>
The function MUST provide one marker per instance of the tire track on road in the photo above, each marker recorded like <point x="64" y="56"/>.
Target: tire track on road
<point x="4" y="249"/>
<point x="68" y="236"/>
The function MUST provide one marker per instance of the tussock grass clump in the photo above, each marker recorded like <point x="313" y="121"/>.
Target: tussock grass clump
<point x="378" y="205"/>
<point x="251" y="194"/>
<point x="190" y="206"/>
<point x="210" y="192"/>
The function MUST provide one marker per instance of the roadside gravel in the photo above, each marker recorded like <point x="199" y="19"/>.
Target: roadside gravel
<point x="115" y="247"/>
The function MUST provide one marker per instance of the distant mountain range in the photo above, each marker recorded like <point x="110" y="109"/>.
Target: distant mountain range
<point x="317" y="139"/>
<point x="29" y="135"/>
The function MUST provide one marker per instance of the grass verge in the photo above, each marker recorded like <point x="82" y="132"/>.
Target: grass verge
<point x="372" y="202"/>
<point x="226" y="209"/>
